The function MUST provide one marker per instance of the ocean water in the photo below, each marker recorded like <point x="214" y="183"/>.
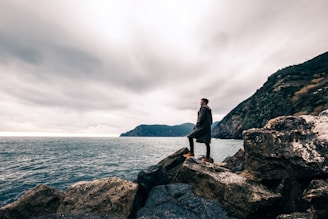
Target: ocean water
<point x="59" y="162"/>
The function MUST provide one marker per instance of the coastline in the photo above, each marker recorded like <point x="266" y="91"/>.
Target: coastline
<point x="282" y="173"/>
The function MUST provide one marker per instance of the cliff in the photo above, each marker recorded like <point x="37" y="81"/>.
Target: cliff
<point x="281" y="173"/>
<point x="160" y="130"/>
<point x="296" y="90"/>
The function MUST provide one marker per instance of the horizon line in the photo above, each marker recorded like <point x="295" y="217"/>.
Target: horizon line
<point x="53" y="134"/>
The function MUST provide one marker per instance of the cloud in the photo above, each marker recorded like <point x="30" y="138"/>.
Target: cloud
<point x="107" y="66"/>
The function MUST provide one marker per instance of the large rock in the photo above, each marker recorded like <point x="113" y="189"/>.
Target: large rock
<point x="317" y="195"/>
<point x="173" y="162"/>
<point x="110" y="195"/>
<point x="152" y="176"/>
<point x="235" y="163"/>
<point x="239" y="196"/>
<point x="161" y="173"/>
<point x="288" y="147"/>
<point x="178" y="201"/>
<point x="35" y="202"/>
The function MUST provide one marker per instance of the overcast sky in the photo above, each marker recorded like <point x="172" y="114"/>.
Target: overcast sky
<point x="103" y="67"/>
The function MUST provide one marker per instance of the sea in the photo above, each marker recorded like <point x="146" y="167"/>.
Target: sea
<point x="59" y="162"/>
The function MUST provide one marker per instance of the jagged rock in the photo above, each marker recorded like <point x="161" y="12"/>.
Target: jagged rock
<point x="178" y="201"/>
<point x="35" y="202"/>
<point x="152" y="176"/>
<point x="288" y="147"/>
<point x="320" y="127"/>
<point x="235" y="163"/>
<point x="296" y="215"/>
<point x="173" y="162"/>
<point x="101" y="198"/>
<point x="239" y="196"/>
<point x="317" y="195"/>
<point x="162" y="173"/>
<point x="110" y="195"/>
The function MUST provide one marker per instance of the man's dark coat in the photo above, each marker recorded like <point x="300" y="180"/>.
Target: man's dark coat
<point x="202" y="129"/>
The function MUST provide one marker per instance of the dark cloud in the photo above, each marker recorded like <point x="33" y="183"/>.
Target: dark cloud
<point x="74" y="60"/>
<point x="12" y="48"/>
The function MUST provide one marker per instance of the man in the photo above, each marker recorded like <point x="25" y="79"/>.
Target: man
<point x="202" y="129"/>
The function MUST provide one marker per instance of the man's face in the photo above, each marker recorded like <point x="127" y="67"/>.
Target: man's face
<point x="202" y="102"/>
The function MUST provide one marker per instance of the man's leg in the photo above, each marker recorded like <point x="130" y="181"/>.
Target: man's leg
<point x="191" y="152"/>
<point x="191" y="144"/>
<point x="208" y="150"/>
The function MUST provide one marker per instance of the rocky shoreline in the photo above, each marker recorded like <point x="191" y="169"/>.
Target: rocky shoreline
<point x="281" y="173"/>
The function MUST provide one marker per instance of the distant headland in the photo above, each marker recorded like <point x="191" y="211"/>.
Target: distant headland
<point x="159" y="130"/>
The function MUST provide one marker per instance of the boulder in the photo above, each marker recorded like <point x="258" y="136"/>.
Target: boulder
<point x="178" y="201"/>
<point x="235" y="163"/>
<point x="35" y="202"/>
<point x="152" y="176"/>
<point x="288" y="147"/>
<point x="317" y="195"/>
<point x="173" y="162"/>
<point x="161" y="173"/>
<point x="239" y="196"/>
<point x="320" y="127"/>
<point x="110" y="195"/>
